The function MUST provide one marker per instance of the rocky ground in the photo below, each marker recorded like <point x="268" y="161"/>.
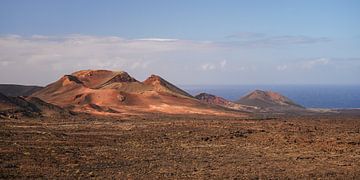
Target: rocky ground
<point x="159" y="146"/>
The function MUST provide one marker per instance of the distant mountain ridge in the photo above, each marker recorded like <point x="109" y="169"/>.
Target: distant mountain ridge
<point x="216" y="100"/>
<point x="104" y="91"/>
<point x="18" y="90"/>
<point x="14" y="107"/>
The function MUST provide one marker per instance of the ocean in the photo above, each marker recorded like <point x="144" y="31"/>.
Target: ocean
<point x="311" y="96"/>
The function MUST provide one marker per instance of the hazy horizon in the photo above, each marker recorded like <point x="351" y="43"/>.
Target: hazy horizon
<point x="202" y="85"/>
<point x="186" y="42"/>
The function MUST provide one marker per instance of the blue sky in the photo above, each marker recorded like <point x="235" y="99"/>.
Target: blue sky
<point x="187" y="42"/>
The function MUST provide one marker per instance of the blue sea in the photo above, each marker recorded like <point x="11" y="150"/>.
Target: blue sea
<point x="311" y="96"/>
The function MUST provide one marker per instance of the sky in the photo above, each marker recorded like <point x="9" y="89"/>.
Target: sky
<point x="202" y="42"/>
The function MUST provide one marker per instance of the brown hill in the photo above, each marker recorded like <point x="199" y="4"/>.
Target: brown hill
<point x="100" y="78"/>
<point x="14" y="107"/>
<point x="47" y="109"/>
<point x="161" y="85"/>
<point x="18" y="90"/>
<point x="267" y="99"/>
<point x="103" y="91"/>
<point x="6" y="103"/>
<point x="16" y="103"/>
<point x="216" y="100"/>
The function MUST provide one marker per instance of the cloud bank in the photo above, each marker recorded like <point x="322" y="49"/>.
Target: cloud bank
<point x="42" y="59"/>
<point x="251" y="39"/>
<point x="58" y="55"/>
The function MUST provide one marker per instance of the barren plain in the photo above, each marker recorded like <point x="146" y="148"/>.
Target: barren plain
<point x="157" y="146"/>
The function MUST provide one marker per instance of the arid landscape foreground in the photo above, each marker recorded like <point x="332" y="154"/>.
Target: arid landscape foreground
<point x="106" y="124"/>
<point x="158" y="146"/>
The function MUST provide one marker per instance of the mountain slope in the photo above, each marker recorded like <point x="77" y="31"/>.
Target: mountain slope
<point x="267" y="99"/>
<point x="16" y="103"/>
<point x="161" y="85"/>
<point x="6" y="103"/>
<point x="219" y="101"/>
<point x="99" y="78"/>
<point x="103" y="91"/>
<point x="31" y="106"/>
<point x="18" y="90"/>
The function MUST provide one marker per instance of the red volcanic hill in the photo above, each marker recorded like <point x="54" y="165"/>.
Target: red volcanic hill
<point x="267" y="99"/>
<point x="103" y="91"/>
<point x="216" y="100"/>
<point x="162" y="85"/>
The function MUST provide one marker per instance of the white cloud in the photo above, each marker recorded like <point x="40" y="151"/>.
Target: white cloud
<point x="312" y="63"/>
<point x="208" y="67"/>
<point x="158" y="39"/>
<point x="247" y="35"/>
<point x="241" y="68"/>
<point x="281" y="67"/>
<point x="212" y="66"/>
<point x="42" y="59"/>
<point x="139" y="65"/>
<point x="52" y="56"/>
<point x="253" y="39"/>
<point x="95" y="50"/>
<point x="223" y="63"/>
